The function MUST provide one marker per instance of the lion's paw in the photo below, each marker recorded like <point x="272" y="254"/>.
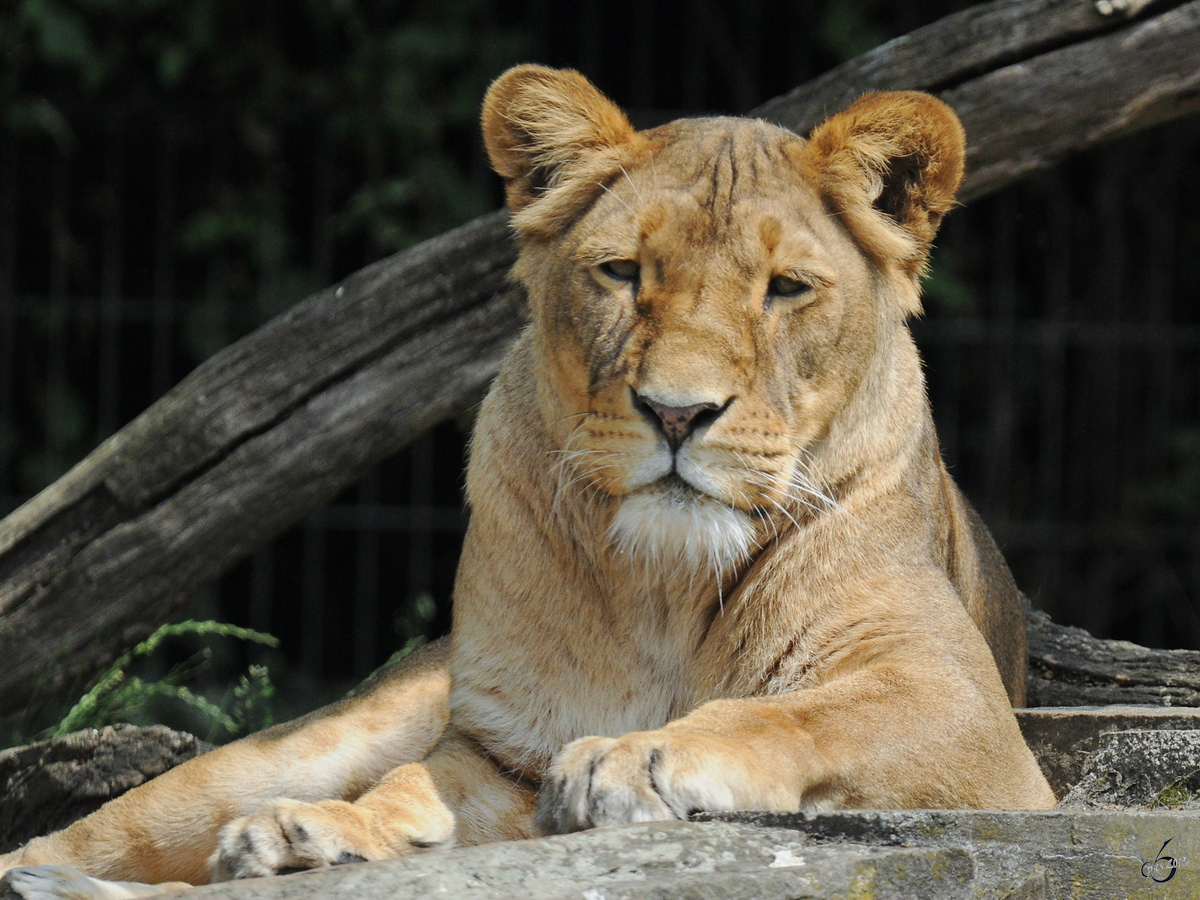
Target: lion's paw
<point x="64" y="883"/>
<point x="45" y="883"/>
<point x="287" y="835"/>
<point x="642" y="777"/>
<point x="267" y="842"/>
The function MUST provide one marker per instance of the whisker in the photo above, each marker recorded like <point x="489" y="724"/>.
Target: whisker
<point x="609" y="190"/>
<point x="636" y="192"/>
<point x="799" y="488"/>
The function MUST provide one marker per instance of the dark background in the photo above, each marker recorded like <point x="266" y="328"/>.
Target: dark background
<point x="175" y="172"/>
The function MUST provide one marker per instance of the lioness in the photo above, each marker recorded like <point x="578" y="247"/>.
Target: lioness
<point x="715" y="561"/>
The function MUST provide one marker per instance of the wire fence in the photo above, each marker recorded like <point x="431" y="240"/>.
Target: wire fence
<point x="1068" y="399"/>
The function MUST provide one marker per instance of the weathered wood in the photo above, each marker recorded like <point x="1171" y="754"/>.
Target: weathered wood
<point x="1033" y="82"/>
<point x="270" y="428"/>
<point x="1031" y="115"/>
<point x="955" y="49"/>
<point x="257" y="437"/>
<point x="48" y="785"/>
<point x="1069" y="667"/>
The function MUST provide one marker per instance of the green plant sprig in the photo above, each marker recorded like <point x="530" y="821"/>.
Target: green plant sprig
<point x="115" y="694"/>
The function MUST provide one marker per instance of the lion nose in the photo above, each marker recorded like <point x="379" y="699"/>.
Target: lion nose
<point x="677" y="422"/>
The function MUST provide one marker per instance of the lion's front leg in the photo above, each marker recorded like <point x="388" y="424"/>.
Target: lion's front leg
<point x="454" y="796"/>
<point x="891" y="737"/>
<point x="166" y="830"/>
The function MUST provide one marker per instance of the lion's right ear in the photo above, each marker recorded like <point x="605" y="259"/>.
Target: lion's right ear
<point x="548" y="132"/>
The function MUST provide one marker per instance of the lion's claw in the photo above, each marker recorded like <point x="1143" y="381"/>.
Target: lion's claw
<point x="286" y="836"/>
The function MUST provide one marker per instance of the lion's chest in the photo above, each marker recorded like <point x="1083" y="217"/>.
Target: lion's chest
<point x="598" y="674"/>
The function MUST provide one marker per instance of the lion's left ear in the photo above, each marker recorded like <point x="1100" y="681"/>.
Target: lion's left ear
<point x="892" y="159"/>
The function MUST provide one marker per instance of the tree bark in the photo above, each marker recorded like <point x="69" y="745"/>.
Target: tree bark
<point x="257" y="437"/>
<point x="1069" y="667"/>
<point x="1033" y="82"/>
<point x="270" y="428"/>
<point x="48" y="785"/>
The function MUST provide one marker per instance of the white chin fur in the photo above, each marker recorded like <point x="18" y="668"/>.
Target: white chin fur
<point x="670" y="528"/>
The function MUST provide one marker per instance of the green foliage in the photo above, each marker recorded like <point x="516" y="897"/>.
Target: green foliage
<point x="413" y="619"/>
<point x="117" y="696"/>
<point x="1175" y="495"/>
<point x="1174" y="796"/>
<point x="410" y="646"/>
<point x="311" y="138"/>
<point x="851" y="29"/>
<point x="945" y="290"/>
<point x="390" y="80"/>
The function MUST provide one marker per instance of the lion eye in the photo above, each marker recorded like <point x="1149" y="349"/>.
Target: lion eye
<point x="783" y="286"/>
<point x="622" y="269"/>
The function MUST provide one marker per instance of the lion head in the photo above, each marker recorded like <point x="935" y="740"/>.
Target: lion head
<point x="718" y="305"/>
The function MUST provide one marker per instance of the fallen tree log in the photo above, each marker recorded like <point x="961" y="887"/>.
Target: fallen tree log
<point x="50" y="784"/>
<point x="1033" y="82"/>
<point x="1069" y="667"/>
<point x="253" y="440"/>
<point x="270" y="428"/>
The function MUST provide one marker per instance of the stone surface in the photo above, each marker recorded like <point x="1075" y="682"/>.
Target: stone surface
<point x="1140" y="770"/>
<point x="48" y="785"/>
<point x="1063" y="738"/>
<point x="639" y="862"/>
<point x="871" y="854"/>
<point x="1133" y="758"/>
<point x="1082" y="854"/>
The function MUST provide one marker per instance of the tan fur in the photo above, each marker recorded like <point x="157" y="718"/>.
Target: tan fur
<point x="167" y="829"/>
<point x="714" y="561"/>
